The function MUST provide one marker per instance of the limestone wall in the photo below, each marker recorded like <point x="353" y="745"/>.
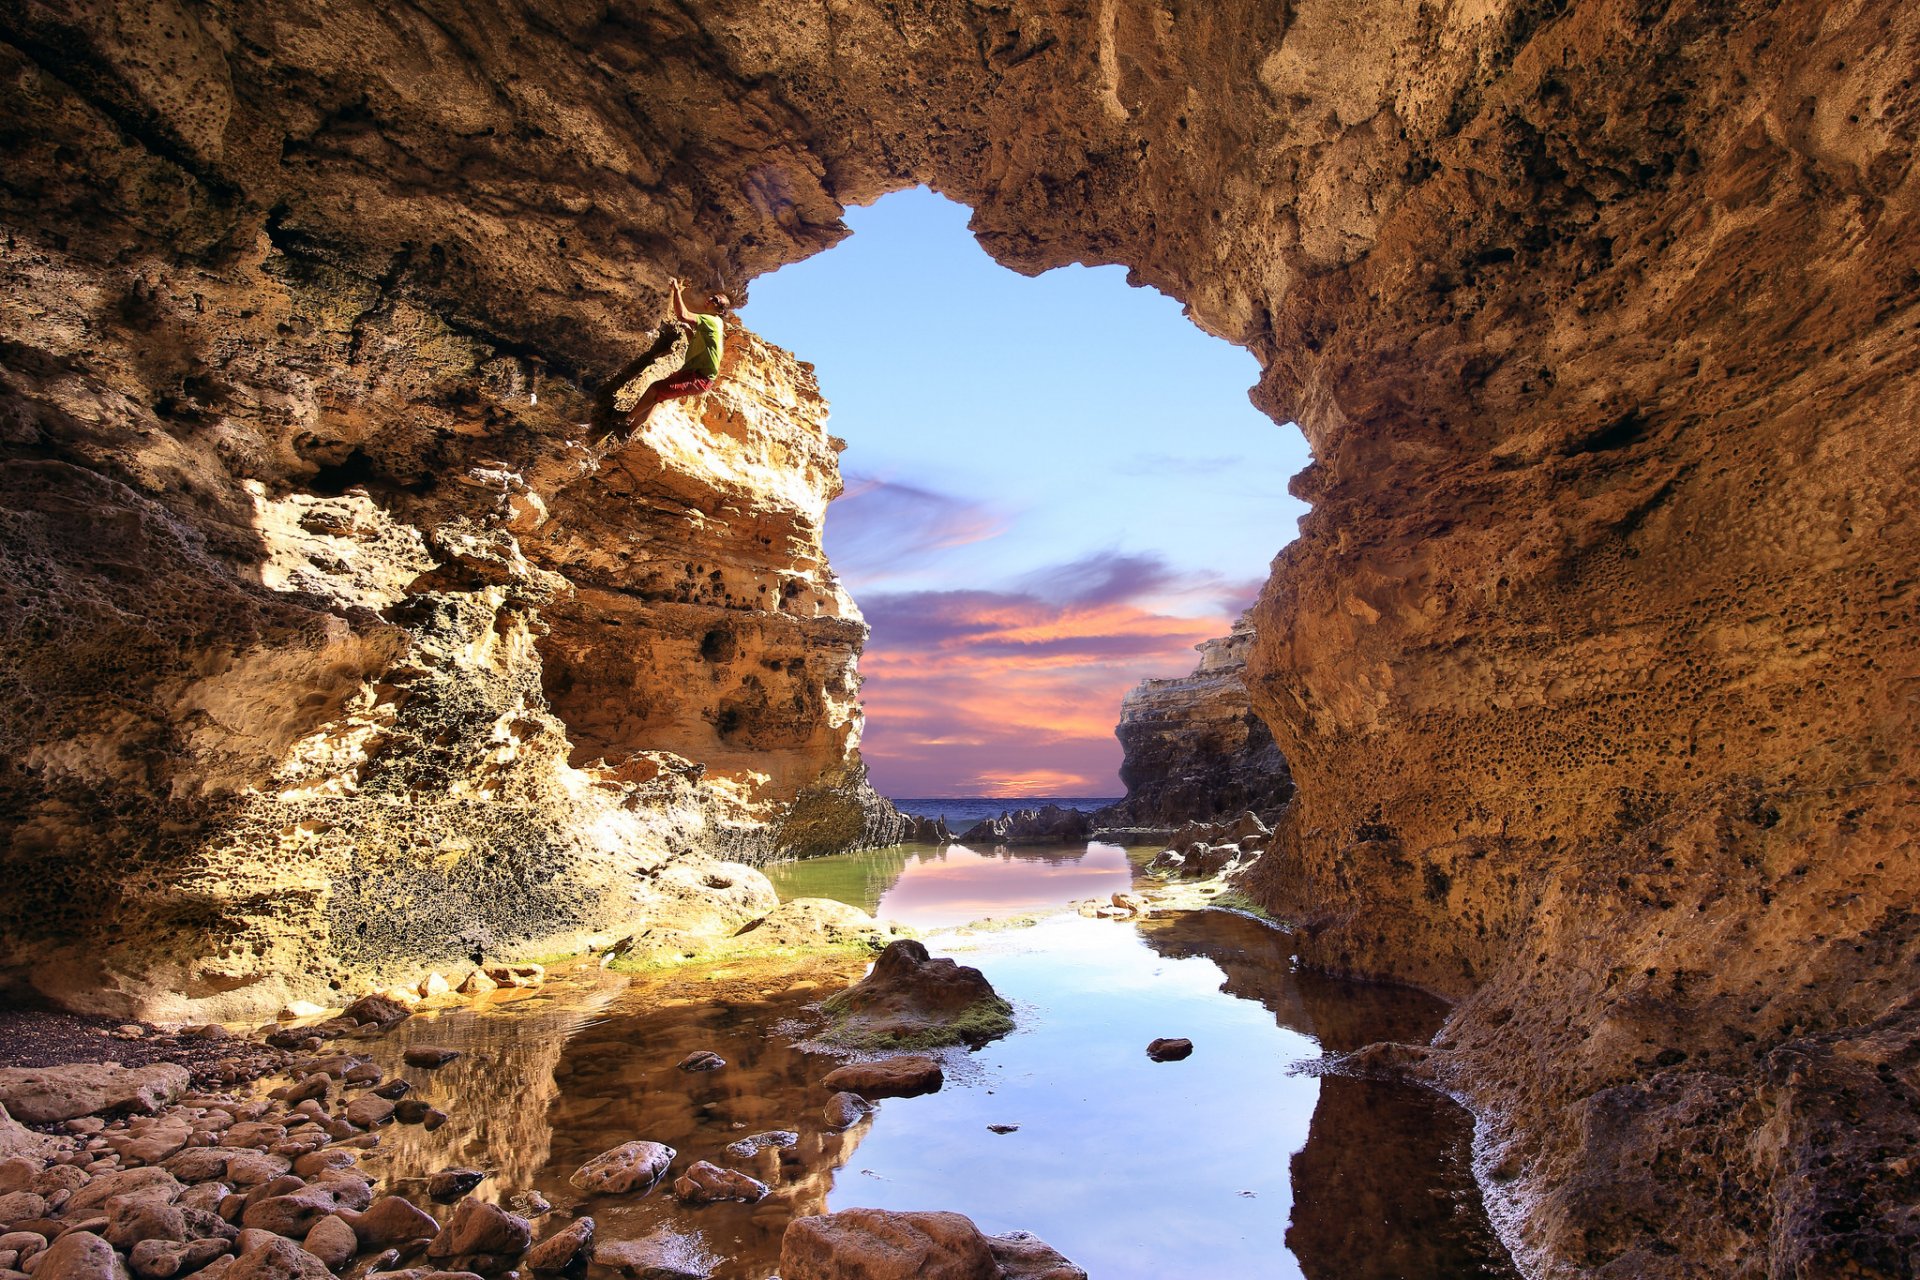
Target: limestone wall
<point x="1594" y="663"/>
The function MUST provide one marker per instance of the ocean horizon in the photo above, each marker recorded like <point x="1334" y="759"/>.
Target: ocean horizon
<point x="961" y="812"/>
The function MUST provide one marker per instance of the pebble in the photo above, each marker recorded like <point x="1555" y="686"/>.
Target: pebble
<point x="392" y="1220"/>
<point x="631" y="1164"/>
<point x="559" y="1250"/>
<point x="846" y="1109"/>
<point x="78" y="1255"/>
<point x="1169" y="1050"/>
<point x="478" y="1227"/>
<point x="429" y="1055"/>
<point x="752" y="1145"/>
<point x="449" y="1185"/>
<point x="332" y="1241"/>
<point x="368" y="1112"/>
<point x="903" y="1077"/>
<point x="702" y="1060"/>
<point x="707" y="1183"/>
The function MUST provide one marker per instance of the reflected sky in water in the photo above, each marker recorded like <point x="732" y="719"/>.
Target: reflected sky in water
<point x="1227" y="1164"/>
<point x="932" y="888"/>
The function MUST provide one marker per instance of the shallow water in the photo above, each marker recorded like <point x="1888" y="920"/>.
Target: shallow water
<point x="927" y="887"/>
<point x="1223" y="1165"/>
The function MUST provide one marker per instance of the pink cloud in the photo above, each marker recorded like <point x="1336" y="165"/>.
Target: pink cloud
<point x="1017" y="692"/>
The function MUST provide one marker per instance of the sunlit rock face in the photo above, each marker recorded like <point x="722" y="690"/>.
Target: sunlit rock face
<point x="1594" y="663"/>
<point x="1194" y="749"/>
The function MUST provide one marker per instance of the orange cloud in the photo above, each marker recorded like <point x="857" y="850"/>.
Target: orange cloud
<point x="1013" y="693"/>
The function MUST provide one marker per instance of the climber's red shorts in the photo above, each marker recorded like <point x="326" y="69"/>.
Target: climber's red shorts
<point x="682" y="384"/>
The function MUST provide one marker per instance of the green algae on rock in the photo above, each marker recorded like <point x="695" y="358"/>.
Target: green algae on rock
<point x="913" y="1000"/>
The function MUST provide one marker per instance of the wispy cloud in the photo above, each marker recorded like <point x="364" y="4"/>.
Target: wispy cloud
<point x="1179" y="464"/>
<point x="1016" y="692"/>
<point x="880" y="529"/>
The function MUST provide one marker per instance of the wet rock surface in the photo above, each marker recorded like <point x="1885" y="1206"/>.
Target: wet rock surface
<point x="1598" y="318"/>
<point x="906" y="1076"/>
<point x="915" y="1000"/>
<point x="637" y="1164"/>
<point x="880" y="1245"/>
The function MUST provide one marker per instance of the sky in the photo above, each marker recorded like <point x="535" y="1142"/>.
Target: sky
<point x="1055" y="487"/>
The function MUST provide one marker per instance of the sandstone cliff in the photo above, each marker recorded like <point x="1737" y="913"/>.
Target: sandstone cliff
<point x="1193" y="747"/>
<point x="1594" y="665"/>
<point x="333" y="648"/>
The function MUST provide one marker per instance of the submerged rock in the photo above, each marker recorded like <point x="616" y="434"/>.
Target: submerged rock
<point x="708" y="1183"/>
<point x="1165" y="1049"/>
<point x="914" y="1000"/>
<point x="630" y="1165"/>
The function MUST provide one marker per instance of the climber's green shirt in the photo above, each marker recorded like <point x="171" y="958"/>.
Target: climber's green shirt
<point x="708" y="344"/>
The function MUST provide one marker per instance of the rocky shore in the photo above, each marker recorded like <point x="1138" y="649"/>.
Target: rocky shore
<point x="154" y="1171"/>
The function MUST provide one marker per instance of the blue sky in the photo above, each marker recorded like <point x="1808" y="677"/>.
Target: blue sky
<point x="1055" y="487"/>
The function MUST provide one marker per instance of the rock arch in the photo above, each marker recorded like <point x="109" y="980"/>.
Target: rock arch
<point x="1594" y="662"/>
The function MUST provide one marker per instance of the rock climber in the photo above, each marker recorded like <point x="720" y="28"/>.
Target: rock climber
<point x="707" y="342"/>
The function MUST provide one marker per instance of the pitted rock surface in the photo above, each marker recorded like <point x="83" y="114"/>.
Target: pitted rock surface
<point x="1593" y="663"/>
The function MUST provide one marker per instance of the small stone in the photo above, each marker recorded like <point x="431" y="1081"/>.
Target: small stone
<point x="1169" y="1050"/>
<point x="156" y="1259"/>
<point x="128" y="1031"/>
<point x="901" y="1077"/>
<point x="449" y="1185"/>
<point x="278" y="1259"/>
<point x="753" y="1144"/>
<point x="377" y="1010"/>
<point x="419" y="1111"/>
<point x="393" y="1089"/>
<point x="1003" y="1128"/>
<point x="479" y="1227"/>
<point x="702" y="1060"/>
<point x="300" y="1009"/>
<point x="391" y="1220"/>
<point x="477" y="983"/>
<point x="707" y="1183"/>
<point x="625" y="1167"/>
<point x="18" y="1205"/>
<point x="80" y="1255"/>
<point x="23" y="1244"/>
<point x="429" y="1055"/>
<point x="332" y="1241"/>
<point x="369" y="1112"/>
<point x="844" y="1110"/>
<point x="131" y="1219"/>
<point x="559" y="1250"/>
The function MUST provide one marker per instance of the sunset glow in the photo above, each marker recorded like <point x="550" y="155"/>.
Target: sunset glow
<point x="1031" y="525"/>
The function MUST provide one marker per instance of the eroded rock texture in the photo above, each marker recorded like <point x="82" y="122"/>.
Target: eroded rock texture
<point x="1595" y="664"/>
<point x="1193" y="747"/>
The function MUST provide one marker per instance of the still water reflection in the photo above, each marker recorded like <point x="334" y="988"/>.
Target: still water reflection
<point x="931" y="888"/>
<point x="1223" y="1165"/>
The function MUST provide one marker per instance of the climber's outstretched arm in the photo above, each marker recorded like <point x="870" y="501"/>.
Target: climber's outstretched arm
<point x="680" y="311"/>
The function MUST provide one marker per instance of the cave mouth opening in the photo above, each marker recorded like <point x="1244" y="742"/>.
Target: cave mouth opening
<point x="1055" y="487"/>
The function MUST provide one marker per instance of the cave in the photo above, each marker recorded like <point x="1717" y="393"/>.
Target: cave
<point x="1594" y="664"/>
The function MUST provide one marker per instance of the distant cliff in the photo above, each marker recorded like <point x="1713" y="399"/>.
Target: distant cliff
<point x="1194" y="747"/>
